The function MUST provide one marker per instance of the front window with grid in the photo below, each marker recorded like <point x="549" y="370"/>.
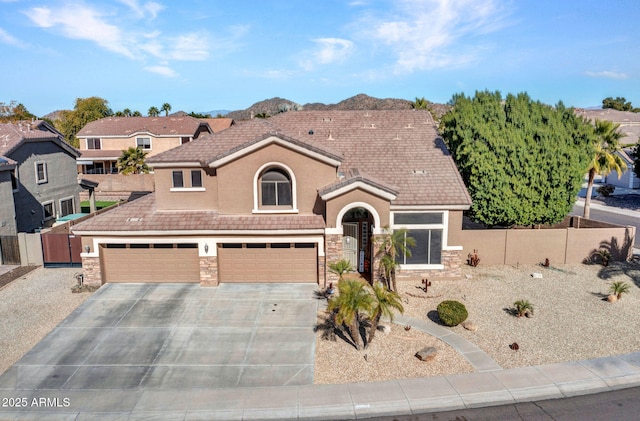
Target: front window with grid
<point x="41" y="172"/>
<point x="143" y="142"/>
<point x="428" y="230"/>
<point x="275" y="188"/>
<point x="94" y="143"/>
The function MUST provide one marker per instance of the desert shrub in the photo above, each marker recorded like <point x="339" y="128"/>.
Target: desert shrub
<point x="606" y="190"/>
<point x="522" y="307"/>
<point x="452" y="313"/>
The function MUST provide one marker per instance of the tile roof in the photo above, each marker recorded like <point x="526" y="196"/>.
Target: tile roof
<point x="129" y="126"/>
<point x="354" y="176"/>
<point x="219" y="124"/>
<point x="142" y="215"/>
<point x="399" y="148"/>
<point x="12" y="135"/>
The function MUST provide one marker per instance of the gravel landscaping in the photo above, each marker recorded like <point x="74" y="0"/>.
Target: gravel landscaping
<point x="572" y="321"/>
<point x="32" y="306"/>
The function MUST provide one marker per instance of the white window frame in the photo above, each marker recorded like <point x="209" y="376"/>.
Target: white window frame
<point x="44" y="167"/>
<point x="257" y="177"/>
<point x="53" y="210"/>
<point x="184" y="188"/>
<point x="93" y="139"/>
<point x="142" y="147"/>
<point x="443" y="226"/>
<point x="64" y="199"/>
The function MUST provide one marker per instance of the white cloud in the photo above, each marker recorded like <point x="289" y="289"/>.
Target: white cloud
<point x="82" y="22"/>
<point x="6" y="38"/>
<point x="607" y="74"/>
<point x="329" y="50"/>
<point x="151" y="7"/>
<point x="189" y="47"/>
<point x="426" y="34"/>
<point x="162" y="71"/>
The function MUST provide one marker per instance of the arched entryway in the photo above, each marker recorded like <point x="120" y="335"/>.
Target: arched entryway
<point x="357" y="247"/>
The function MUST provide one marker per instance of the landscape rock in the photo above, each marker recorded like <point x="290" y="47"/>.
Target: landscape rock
<point x="470" y="326"/>
<point x="385" y="329"/>
<point x="528" y="314"/>
<point x="612" y="298"/>
<point x="536" y="275"/>
<point x="427" y="354"/>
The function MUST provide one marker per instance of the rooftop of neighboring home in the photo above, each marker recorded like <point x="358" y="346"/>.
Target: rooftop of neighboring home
<point x="170" y="126"/>
<point x="13" y="135"/>
<point x="399" y="150"/>
<point x="629" y="121"/>
<point x="219" y="124"/>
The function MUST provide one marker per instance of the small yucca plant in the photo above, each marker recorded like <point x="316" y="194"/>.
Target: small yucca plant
<point x="522" y="306"/>
<point x="618" y="288"/>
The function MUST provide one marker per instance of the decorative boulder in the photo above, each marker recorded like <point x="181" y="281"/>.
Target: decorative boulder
<point x="470" y="326"/>
<point x="612" y="298"/>
<point x="426" y="354"/>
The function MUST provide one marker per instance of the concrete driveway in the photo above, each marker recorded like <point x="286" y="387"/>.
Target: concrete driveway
<point x="176" y="336"/>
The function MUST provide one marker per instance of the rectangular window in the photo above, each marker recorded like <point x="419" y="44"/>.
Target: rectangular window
<point x="427" y="230"/>
<point x="41" y="172"/>
<point x="196" y="178"/>
<point x="139" y="246"/>
<point x="162" y="246"/>
<point x="48" y="210"/>
<point x="184" y="140"/>
<point x="143" y="142"/>
<point x="14" y="181"/>
<point x="66" y="207"/>
<point x="178" y="182"/>
<point x="187" y="245"/>
<point x="268" y="194"/>
<point x="94" y="143"/>
<point x="256" y="246"/>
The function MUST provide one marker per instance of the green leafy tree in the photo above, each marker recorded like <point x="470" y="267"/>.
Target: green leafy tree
<point x="619" y="103"/>
<point x="349" y="305"/>
<point x="420" y="104"/>
<point x="132" y="162"/>
<point x="166" y="107"/>
<point x="394" y="244"/>
<point x="14" y="112"/>
<point x="199" y="115"/>
<point x="153" y="112"/>
<point x="85" y="111"/>
<point x="604" y="159"/>
<point x="522" y="161"/>
<point x="635" y="154"/>
<point x="136" y="113"/>
<point x="384" y="304"/>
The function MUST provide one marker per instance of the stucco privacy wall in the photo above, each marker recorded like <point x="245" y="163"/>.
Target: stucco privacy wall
<point x="118" y="185"/>
<point x="559" y="245"/>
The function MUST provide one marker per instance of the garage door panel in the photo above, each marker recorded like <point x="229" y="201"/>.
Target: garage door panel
<point x="151" y="264"/>
<point x="270" y="264"/>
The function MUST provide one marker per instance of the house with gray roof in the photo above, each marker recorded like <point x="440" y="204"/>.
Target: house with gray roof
<point x="38" y="177"/>
<point x="279" y="199"/>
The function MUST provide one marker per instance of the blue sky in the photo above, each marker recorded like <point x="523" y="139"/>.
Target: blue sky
<point x="202" y="55"/>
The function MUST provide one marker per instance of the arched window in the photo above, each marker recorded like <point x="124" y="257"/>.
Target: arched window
<point x="275" y="188"/>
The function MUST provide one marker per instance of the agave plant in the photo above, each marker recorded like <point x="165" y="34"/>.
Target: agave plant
<point x="618" y="288"/>
<point x="522" y="307"/>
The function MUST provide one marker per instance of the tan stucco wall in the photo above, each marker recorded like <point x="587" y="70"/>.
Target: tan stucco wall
<point x="236" y="179"/>
<point x="335" y="205"/>
<point x="185" y="200"/>
<point x="454" y="237"/>
<point x="158" y="144"/>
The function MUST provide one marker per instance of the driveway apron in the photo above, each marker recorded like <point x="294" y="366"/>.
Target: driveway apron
<point x="139" y="337"/>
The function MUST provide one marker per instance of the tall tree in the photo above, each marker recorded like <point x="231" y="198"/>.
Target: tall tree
<point x="604" y="159"/>
<point x="384" y="304"/>
<point x="349" y="305"/>
<point x="420" y="104"/>
<point x="85" y="111"/>
<point x="166" y="107"/>
<point x="394" y="244"/>
<point x="522" y="161"/>
<point x="14" y="112"/>
<point x="619" y="103"/>
<point x="153" y="112"/>
<point x="132" y="162"/>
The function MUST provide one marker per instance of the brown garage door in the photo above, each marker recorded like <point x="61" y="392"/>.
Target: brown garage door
<point x="268" y="262"/>
<point x="150" y="262"/>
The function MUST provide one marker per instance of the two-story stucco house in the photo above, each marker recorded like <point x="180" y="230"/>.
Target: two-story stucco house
<point x="102" y="141"/>
<point x="277" y="200"/>
<point x="38" y="177"/>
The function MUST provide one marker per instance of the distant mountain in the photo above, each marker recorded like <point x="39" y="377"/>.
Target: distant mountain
<point x="276" y="105"/>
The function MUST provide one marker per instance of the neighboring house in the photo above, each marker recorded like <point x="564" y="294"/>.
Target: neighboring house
<point x="219" y="124"/>
<point x="102" y="141"/>
<point x="628" y="178"/>
<point x="39" y="169"/>
<point x="630" y="126"/>
<point x="278" y="200"/>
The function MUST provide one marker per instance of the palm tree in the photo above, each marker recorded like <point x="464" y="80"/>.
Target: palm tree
<point x="153" y="112"/>
<point x="605" y="159"/>
<point x="384" y="303"/>
<point x="420" y="104"/>
<point x="126" y="112"/>
<point x="394" y="244"/>
<point x="352" y="300"/>
<point x="166" y="107"/>
<point x="340" y="267"/>
<point x="132" y="162"/>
